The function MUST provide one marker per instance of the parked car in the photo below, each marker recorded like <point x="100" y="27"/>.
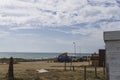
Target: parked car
<point x="64" y="59"/>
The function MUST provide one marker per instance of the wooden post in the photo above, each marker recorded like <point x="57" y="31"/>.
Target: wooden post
<point x="73" y="68"/>
<point x="103" y="68"/>
<point x="89" y="63"/>
<point x="10" y="70"/>
<point x="95" y="71"/>
<point x="71" y="64"/>
<point x="65" y="65"/>
<point x="84" y="72"/>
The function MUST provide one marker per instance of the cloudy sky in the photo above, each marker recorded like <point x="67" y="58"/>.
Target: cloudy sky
<point x="53" y="25"/>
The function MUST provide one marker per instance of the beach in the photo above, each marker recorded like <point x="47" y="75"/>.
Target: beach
<point x="27" y="71"/>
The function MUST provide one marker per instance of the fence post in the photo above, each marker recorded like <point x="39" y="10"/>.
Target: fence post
<point x="95" y="71"/>
<point x="103" y="68"/>
<point x="65" y="65"/>
<point x="84" y="72"/>
<point x="89" y="62"/>
<point x="73" y="68"/>
<point x="10" y="70"/>
<point x="71" y="64"/>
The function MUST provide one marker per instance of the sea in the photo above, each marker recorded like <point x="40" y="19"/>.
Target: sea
<point x="34" y="55"/>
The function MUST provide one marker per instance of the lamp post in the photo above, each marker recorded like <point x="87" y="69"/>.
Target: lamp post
<point x="71" y="56"/>
<point x="74" y="47"/>
<point x="79" y="51"/>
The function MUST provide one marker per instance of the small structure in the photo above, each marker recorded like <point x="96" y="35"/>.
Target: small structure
<point x="102" y="57"/>
<point x="95" y="59"/>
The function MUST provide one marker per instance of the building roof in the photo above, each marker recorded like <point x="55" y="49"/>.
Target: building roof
<point x="112" y="36"/>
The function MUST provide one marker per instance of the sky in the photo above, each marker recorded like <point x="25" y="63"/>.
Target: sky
<point x="53" y="25"/>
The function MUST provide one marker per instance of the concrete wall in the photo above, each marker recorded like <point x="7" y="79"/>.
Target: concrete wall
<point x="112" y="43"/>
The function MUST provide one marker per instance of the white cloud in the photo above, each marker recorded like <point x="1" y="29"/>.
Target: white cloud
<point x="97" y="15"/>
<point x="54" y="12"/>
<point x="23" y="27"/>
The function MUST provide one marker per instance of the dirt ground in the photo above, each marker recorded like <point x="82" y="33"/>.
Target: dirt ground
<point x="27" y="71"/>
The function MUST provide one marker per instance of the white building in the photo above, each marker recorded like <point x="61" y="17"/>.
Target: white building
<point x="112" y="44"/>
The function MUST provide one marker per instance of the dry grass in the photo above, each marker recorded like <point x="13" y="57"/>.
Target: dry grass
<point x="27" y="71"/>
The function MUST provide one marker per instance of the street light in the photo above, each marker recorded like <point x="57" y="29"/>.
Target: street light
<point x="79" y="51"/>
<point x="74" y="47"/>
<point x="71" y="56"/>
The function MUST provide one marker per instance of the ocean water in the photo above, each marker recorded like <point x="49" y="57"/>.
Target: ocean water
<point x="29" y="55"/>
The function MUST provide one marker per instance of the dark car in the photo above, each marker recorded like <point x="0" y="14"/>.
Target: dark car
<point x="64" y="59"/>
